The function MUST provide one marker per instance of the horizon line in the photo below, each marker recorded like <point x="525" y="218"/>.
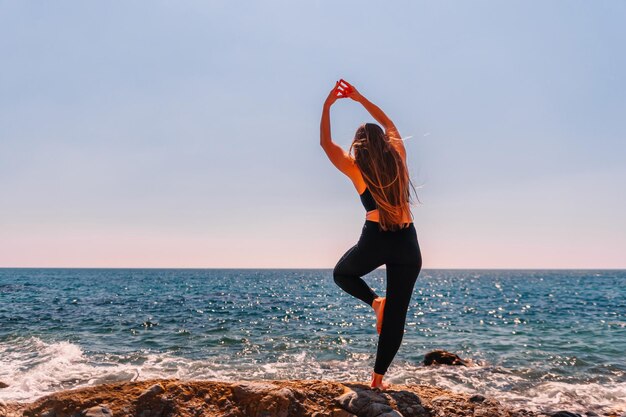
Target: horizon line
<point x="318" y="268"/>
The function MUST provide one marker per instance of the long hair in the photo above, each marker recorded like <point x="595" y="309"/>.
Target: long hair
<point x="385" y="173"/>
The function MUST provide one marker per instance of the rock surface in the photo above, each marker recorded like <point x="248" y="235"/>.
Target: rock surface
<point x="442" y="357"/>
<point x="279" y="398"/>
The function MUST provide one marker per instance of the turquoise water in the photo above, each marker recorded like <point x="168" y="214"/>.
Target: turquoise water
<point x="540" y="339"/>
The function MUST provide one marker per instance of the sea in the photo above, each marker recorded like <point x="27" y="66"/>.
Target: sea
<point x="541" y="340"/>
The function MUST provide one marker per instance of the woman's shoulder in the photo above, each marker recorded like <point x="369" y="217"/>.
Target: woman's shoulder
<point x="392" y="130"/>
<point x="396" y="140"/>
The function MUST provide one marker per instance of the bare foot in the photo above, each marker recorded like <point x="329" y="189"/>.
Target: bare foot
<point x="377" y="382"/>
<point x="379" y="308"/>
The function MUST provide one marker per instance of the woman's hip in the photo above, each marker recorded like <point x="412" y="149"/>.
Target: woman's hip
<point x="400" y="246"/>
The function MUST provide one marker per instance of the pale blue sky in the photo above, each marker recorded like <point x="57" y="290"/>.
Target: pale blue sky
<point x="186" y="134"/>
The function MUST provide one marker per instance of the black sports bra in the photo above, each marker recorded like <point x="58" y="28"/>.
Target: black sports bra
<point x="368" y="201"/>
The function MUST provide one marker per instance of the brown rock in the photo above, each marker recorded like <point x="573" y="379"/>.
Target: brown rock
<point x="260" y="397"/>
<point x="337" y="412"/>
<point x="442" y="357"/>
<point x="98" y="411"/>
<point x="292" y="398"/>
<point x="360" y="401"/>
<point x="477" y="398"/>
<point x="3" y="385"/>
<point x="153" y="391"/>
<point x="151" y="403"/>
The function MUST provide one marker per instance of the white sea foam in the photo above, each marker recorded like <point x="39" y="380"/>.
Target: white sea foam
<point x="517" y="390"/>
<point x="34" y="368"/>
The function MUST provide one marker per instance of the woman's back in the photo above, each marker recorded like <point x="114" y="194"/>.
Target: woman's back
<point x="369" y="203"/>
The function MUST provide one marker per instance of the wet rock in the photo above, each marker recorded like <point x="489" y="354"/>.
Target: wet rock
<point x="477" y="398"/>
<point x="377" y="409"/>
<point x="153" y="391"/>
<point x="442" y="357"/>
<point x="3" y="385"/>
<point x="409" y="404"/>
<point x="366" y="402"/>
<point x="98" y="411"/>
<point x="392" y="413"/>
<point x="565" y="414"/>
<point x="151" y="403"/>
<point x="459" y="405"/>
<point x="359" y="400"/>
<point x="337" y="412"/>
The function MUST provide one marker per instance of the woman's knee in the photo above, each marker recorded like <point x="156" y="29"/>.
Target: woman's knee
<point x="341" y="270"/>
<point x="340" y="276"/>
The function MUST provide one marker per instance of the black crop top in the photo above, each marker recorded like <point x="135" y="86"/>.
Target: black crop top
<point x="368" y="201"/>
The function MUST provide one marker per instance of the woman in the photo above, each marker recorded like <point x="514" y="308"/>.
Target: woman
<point x="379" y="173"/>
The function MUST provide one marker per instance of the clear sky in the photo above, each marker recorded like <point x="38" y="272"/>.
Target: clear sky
<point x="186" y="133"/>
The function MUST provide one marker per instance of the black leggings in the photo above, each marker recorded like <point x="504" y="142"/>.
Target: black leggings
<point x="400" y="252"/>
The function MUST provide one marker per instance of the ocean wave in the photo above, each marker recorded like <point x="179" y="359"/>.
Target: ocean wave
<point x="516" y="389"/>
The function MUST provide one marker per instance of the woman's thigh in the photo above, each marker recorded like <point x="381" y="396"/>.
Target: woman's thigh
<point x="362" y="258"/>
<point x="404" y="249"/>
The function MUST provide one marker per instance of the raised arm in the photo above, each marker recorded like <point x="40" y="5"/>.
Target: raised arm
<point x="335" y="153"/>
<point x="381" y="117"/>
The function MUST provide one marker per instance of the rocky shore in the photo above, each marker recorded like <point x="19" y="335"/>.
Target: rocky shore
<point x="271" y="398"/>
<point x="278" y="398"/>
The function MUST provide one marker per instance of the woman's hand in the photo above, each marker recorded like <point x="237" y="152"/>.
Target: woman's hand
<point x="348" y="90"/>
<point x="333" y="95"/>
